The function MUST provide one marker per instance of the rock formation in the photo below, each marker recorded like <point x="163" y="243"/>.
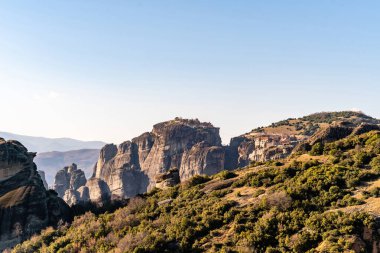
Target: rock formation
<point x="167" y="179"/>
<point x="26" y="206"/>
<point x="260" y="147"/>
<point x="52" y="162"/>
<point x="67" y="183"/>
<point x="96" y="190"/>
<point x="334" y="132"/>
<point x="174" y="150"/>
<point x="42" y="175"/>
<point x="285" y="137"/>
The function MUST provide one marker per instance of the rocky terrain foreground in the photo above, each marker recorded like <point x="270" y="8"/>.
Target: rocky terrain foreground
<point x="26" y="206"/>
<point x="319" y="198"/>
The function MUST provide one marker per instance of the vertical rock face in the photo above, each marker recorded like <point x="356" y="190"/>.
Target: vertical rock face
<point x="172" y="139"/>
<point x="67" y="182"/>
<point x="201" y="159"/>
<point x="42" y="175"/>
<point x="96" y="190"/>
<point x="186" y="146"/>
<point x="25" y="205"/>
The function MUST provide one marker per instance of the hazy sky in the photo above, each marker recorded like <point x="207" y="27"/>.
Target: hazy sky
<point x="108" y="70"/>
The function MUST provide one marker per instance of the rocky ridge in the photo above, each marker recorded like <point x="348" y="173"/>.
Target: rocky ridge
<point x="285" y="137"/>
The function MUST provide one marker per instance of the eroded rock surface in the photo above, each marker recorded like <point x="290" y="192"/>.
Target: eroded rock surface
<point x="26" y="206"/>
<point x="96" y="190"/>
<point x="260" y="147"/>
<point x="67" y="182"/>
<point x="189" y="147"/>
<point x="281" y="139"/>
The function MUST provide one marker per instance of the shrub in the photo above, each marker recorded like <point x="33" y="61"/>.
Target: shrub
<point x="363" y="158"/>
<point x="317" y="149"/>
<point x="198" y="179"/>
<point x="225" y="174"/>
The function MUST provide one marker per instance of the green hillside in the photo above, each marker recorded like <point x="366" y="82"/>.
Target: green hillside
<point x="302" y="204"/>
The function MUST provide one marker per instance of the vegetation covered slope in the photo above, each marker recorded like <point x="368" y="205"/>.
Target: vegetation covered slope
<point x="301" y="204"/>
<point x="309" y="124"/>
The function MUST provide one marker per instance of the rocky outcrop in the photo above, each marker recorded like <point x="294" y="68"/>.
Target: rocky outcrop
<point x="334" y="132"/>
<point x="26" y="206"/>
<point x="365" y="128"/>
<point x="167" y="179"/>
<point x="67" y="182"/>
<point x="295" y="135"/>
<point x="42" y="175"/>
<point x="186" y="147"/>
<point x="259" y="147"/>
<point x="119" y="169"/>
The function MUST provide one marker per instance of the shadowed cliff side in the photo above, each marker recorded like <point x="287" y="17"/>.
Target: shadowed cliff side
<point x="26" y="206"/>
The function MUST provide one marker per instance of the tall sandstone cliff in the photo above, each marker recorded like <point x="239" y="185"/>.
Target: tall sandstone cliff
<point x="174" y="150"/>
<point x="26" y="206"/>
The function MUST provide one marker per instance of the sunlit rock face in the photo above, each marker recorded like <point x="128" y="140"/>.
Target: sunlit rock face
<point x="67" y="182"/>
<point x="26" y="206"/>
<point x="260" y="147"/>
<point x="14" y="155"/>
<point x="96" y="190"/>
<point x="189" y="147"/>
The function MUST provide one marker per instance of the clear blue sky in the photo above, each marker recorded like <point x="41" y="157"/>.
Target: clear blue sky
<point x="109" y="70"/>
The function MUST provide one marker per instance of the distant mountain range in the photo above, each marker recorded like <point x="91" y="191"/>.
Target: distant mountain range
<point x="43" y="144"/>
